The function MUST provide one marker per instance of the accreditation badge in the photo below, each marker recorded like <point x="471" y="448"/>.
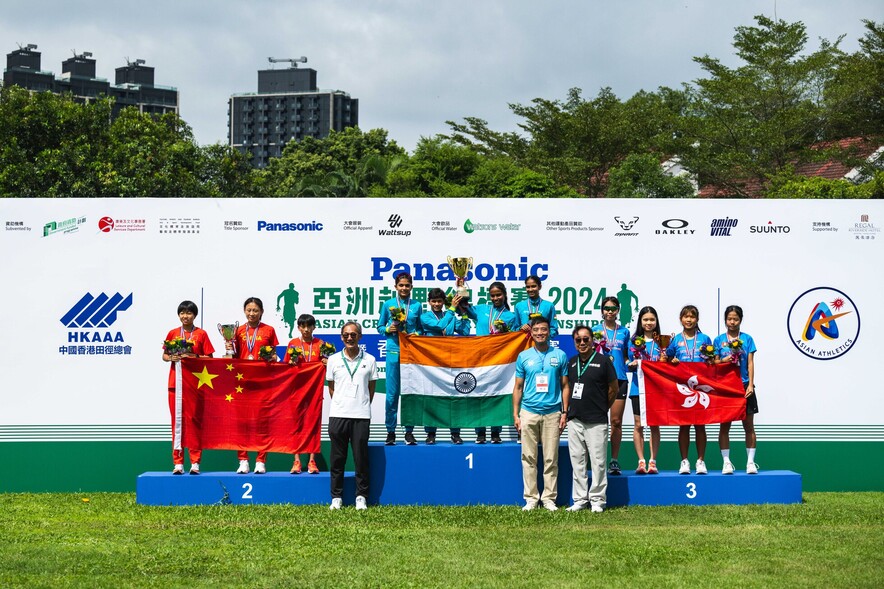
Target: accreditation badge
<point x="542" y="383"/>
<point x="577" y="391"/>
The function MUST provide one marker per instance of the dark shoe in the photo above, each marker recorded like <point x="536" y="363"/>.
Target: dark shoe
<point x="431" y="439"/>
<point x="480" y="439"/>
<point x="391" y="439"/>
<point x="614" y="468"/>
<point x="495" y="439"/>
<point x="456" y="440"/>
<point x="410" y="440"/>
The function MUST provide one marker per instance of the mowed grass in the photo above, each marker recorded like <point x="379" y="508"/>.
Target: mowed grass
<point x="58" y="540"/>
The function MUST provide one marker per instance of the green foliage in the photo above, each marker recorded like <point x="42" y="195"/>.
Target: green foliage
<point x="57" y="540"/>
<point x="788" y="185"/>
<point x="52" y="146"/>
<point x="641" y="176"/>
<point x="855" y="99"/>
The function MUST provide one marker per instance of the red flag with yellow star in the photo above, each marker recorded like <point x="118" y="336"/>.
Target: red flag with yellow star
<point x="248" y="405"/>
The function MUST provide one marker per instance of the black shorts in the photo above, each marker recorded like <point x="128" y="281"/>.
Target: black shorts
<point x="623" y="389"/>
<point x="751" y="402"/>
<point x="636" y="405"/>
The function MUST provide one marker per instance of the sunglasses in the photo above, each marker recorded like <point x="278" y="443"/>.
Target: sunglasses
<point x="610" y="308"/>
<point x="348" y="335"/>
<point x="582" y="340"/>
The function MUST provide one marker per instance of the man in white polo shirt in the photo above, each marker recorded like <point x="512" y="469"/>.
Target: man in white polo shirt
<point x="351" y="375"/>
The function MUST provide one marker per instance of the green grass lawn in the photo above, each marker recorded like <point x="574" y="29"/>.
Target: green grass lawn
<point x="59" y="540"/>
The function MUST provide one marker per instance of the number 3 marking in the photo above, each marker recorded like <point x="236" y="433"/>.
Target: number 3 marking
<point x="692" y="490"/>
<point x="247" y="494"/>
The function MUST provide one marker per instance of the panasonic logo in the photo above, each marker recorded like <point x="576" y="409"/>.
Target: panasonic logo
<point x="311" y="226"/>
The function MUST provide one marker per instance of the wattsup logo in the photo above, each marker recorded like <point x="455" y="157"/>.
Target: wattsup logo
<point x="823" y="323"/>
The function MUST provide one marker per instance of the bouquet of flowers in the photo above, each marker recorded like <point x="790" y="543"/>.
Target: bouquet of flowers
<point x="326" y="349"/>
<point x="397" y="314"/>
<point x="708" y="352"/>
<point x="500" y="326"/>
<point x="267" y="353"/>
<point x="638" y="347"/>
<point x="600" y="342"/>
<point x="178" y="346"/>
<point x="295" y="354"/>
<point x="736" y="348"/>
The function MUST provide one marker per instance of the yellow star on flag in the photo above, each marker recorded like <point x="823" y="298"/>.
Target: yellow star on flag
<point x="239" y="376"/>
<point x="229" y="367"/>
<point x="238" y="389"/>
<point x="228" y="398"/>
<point x="205" y="378"/>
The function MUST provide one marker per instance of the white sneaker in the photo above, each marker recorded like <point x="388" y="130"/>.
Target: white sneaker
<point x="751" y="468"/>
<point x="727" y="467"/>
<point x="701" y="467"/>
<point x="685" y="467"/>
<point x="529" y="505"/>
<point x="195" y="468"/>
<point x="260" y="468"/>
<point x="360" y="503"/>
<point x="577" y="507"/>
<point x="596" y="508"/>
<point x="550" y="506"/>
<point x="179" y="469"/>
<point x="243" y="467"/>
<point x="336" y="503"/>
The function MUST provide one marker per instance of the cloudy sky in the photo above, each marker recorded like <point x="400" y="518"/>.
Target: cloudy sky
<point x="412" y="64"/>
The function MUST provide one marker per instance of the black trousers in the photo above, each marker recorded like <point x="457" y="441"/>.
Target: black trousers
<point x="344" y="431"/>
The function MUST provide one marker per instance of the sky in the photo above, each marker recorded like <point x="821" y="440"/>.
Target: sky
<point x="413" y="64"/>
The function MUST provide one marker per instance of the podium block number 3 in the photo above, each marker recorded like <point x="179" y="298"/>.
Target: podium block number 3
<point x="692" y="490"/>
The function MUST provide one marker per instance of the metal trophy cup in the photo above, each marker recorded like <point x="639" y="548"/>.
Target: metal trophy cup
<point x="460" y="267"/>
<point x="228" y="332"/>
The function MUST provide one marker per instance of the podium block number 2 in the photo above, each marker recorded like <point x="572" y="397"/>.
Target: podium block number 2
<point x="692" y="490"/>
<point x="247" y="491"/>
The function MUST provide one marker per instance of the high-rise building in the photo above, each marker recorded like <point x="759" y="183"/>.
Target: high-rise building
<point x="288" y="106"/>
<point x="133" y="86"/>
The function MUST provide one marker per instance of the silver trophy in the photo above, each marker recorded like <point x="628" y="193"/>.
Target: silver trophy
<point x="228" y="332"/>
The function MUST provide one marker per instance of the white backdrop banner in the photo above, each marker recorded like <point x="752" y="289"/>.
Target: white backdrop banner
<point x="92" y="285"/>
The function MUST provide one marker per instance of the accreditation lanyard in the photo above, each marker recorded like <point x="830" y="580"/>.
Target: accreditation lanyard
<point x="250" y="340"/>
<point x="580" y="370"/>
<point x="347" y="364"/>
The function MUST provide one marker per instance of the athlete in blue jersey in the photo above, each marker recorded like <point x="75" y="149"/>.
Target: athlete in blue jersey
<point x="616" y="346"/>
<point x="736" y="346"/>
<point x="391" y="327"/>
<point x="534" y="307"/>
<point x="648" y="329"/>
<point x="685" y="347"/>
<point x="491" y="318"/>
<point x="441" y="321"/>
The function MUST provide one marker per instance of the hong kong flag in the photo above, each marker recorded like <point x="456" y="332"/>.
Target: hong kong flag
<point x="690" y="393"/>
<point x="251" y="405"/>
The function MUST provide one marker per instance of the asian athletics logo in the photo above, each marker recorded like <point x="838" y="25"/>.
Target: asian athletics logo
<point x="823" y="323"/>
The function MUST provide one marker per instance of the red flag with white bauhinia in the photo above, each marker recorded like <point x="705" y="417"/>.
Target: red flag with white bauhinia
<point x="251" y="405"/>
<point x="690" y="393"/>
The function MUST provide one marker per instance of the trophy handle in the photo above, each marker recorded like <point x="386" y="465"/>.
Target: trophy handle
<point x="450" y="262"/>
<point x="469" y="264"/>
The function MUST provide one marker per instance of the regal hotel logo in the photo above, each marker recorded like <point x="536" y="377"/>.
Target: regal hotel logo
<point x="722" y="227"/>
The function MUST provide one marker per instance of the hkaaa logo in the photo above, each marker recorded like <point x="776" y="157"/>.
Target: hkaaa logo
<point x="823" y="323"/>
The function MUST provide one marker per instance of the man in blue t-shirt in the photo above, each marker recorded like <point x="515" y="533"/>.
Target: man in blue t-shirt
<point x="540" y="406"/>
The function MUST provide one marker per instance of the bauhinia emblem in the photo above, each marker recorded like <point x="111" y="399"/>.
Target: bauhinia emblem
<point x="695" y="392"/>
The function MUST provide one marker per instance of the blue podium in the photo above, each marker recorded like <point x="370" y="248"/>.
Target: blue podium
<point x="469" y="474"/>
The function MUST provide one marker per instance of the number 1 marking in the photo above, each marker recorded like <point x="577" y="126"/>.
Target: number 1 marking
<point x="469" y="458"/>
<point x="692" y="490"/>
<point x="248" y="491"/>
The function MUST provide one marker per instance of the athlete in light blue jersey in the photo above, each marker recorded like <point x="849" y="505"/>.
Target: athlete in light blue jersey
<point x="616" y="338"/>
<point x="648" y="329"/>
<point x="535" y="306"/>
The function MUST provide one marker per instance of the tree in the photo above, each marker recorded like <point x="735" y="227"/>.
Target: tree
<point x="854" y="98"/>
<point x="641" y="176"/>
<point x="749" y="122"/>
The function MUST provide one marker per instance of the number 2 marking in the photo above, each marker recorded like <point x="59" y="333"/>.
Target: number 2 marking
<point x="247" y="494"/>
<point x="469" y="458"/>
<point x="692" y="490"/>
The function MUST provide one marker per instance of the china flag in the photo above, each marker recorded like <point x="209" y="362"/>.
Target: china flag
<point x="249" y="405"/>
<point x="690" y="393"/>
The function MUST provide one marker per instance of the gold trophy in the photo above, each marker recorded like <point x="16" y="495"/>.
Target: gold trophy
<point x="460" y="267"/>
<point x="228" y="332"/>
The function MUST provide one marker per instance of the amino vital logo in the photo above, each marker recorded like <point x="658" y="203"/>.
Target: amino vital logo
<point x="96" y="312"/>
<point x="829" y="314"/>
<point x="311" y="226"/>
<point x="722" y="227"/>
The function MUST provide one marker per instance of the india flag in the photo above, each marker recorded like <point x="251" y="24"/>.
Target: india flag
<point x="459" y="381"/>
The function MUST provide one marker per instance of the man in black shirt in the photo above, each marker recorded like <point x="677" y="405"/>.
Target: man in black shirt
<point x="594" y="387"/>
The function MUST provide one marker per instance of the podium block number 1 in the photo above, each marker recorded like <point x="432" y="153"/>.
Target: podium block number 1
<point x="469" y="459"/>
